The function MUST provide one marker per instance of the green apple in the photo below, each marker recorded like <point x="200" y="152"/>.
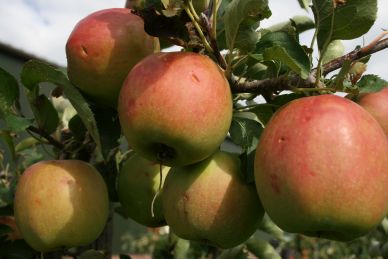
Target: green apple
<point x="138" y="183"/>
<point x="210" y="202"/>
<point x="102" y="49"/>
<point x="60" y="203"/>
<point x="135" y="4"/>
<point x="200" y="5"/>
<point x="321" y="168"/>
<point x="377" y="105"/>
<point x="175" y="108"/>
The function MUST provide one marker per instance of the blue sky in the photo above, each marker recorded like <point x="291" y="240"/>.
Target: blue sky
<point x="41" y="27"/>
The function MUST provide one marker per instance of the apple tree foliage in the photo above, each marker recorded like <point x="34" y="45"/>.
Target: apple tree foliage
<point x="267" y="62"/>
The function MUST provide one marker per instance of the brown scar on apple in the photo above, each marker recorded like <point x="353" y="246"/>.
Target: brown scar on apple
<point x="282" y="139"/>
<point x="84" y="51"/>
<point x="274" y="183"/>
<point x="67" y="181"/>
<point x="38" y="202"/>
<point x="307" y="118"/>
<point x="195" y="78"/>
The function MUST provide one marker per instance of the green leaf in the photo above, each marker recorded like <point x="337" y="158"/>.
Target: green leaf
<point x="6" y="194"/>
<point x="9" y="92"/>
<point x="77" y="127"/>
<point x="26" y="143"/>
<point x="243" y="14"/>
<point x="281" y="47"/>
<point x="344" y="22"/>
<point x="109" y="127"/>
<point x="245" y="133"/>
<point x="31" y="156"/>
<point x="341" y="77"/>
<point x="247" y="166"/>
<point x="246" y="39"/>
<point x="7" y="138"/>
<point x="301" y="23"/>
<point x="304" y="3"/>
<point x="35" y="72"/>
<point x="16" y="123"/>
<point x="263" y="112"/>
<point x="45" y="114"/>
<point x="256" y="71"/>
<point x="371" y="83"/>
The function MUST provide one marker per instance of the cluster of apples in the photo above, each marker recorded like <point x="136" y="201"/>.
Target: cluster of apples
<point x="321" y="166"/>
<point x="175" y="109"/>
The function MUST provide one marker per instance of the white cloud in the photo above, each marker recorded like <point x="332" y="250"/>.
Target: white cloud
<point x="41" y="27"/>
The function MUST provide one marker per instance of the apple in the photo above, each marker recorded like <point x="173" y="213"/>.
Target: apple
<point x="135" y="4"/>
<point x="175" y="108"/>
<point x="60" y="203"/>
<point x="377" y="105"/>
<point x="102" y="49"/>
<point x="321" y="168"/>
<point x="138" y="183"/>
<point x="200" y="5"/>
<point x="210" y="202"/>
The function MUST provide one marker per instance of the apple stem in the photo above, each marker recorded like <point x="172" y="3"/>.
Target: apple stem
<point x="159" y="189"/>
<point x="198" y="28"/>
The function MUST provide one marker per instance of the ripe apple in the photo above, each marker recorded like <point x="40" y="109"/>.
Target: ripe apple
<point x="175" y="107"/>
<point x="138" y="183"/>
<point x="102" y="49"/>
<point x="321" y="168"/>
<point x="210" y="202"/>
<point x="60" y="203"/>
<point x="377" y="105"/>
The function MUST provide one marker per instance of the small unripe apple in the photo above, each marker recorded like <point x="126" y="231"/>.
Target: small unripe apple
<point x="321" y="168"/>
<point x="210" y="202"/>
<point x="138" y="183"/>
<point x="175" y="108"/>
<point x="200" y="5"/>
<point x="60" y="203"/>
<point x="102" y="49"/>
<point x="377" y="105"/>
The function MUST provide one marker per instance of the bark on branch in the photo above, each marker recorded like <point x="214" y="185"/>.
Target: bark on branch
<point x="288" y="82"/>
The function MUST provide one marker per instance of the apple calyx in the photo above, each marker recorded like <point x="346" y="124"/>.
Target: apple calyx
<point x="164" y="153"/>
